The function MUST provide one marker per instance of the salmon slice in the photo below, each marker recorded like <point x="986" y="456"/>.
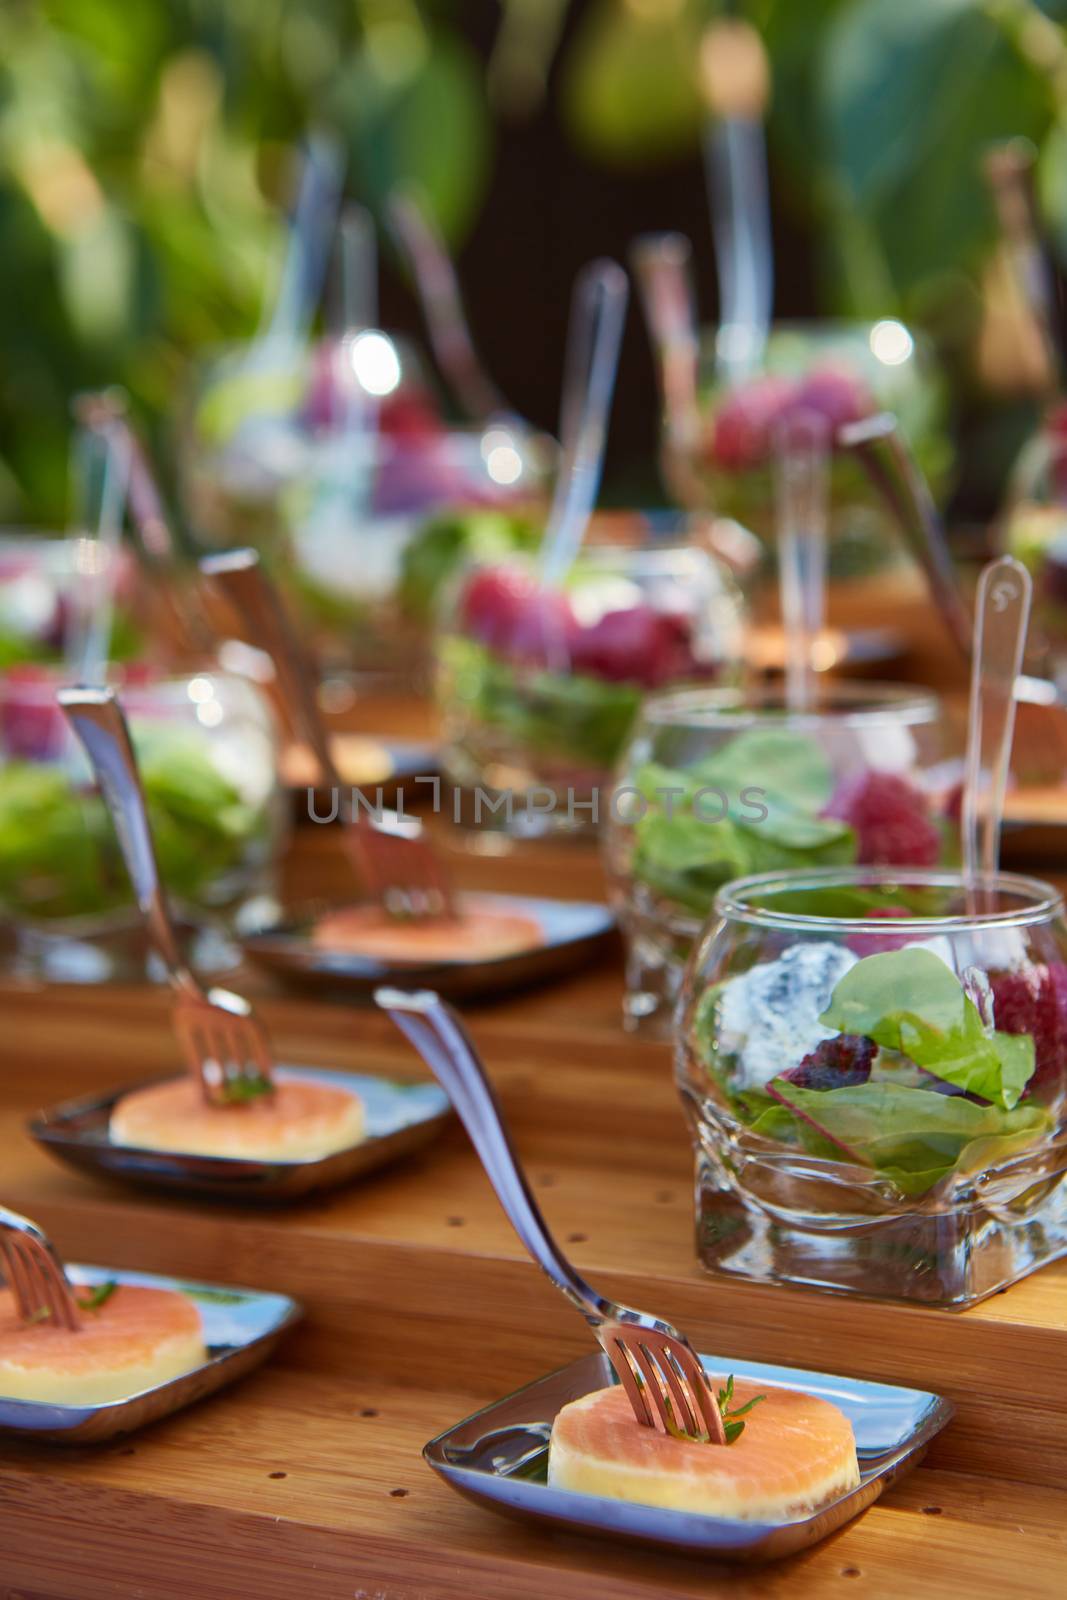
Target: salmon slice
<point x="301" y="1121"/>
<point x="796" y="1453"/>
<point x="136" y="1339"/>
<point x="358" y="761"/>
<point x="481" y="933"/>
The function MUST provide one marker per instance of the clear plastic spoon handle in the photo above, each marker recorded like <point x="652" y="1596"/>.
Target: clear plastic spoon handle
<point x="662" y="265"/>
<point x="1001" y="615"/>
<point x="96" y="563"/>
<point x="802" y="451"/>
<point x="735" y="157"/>
<point x="308" y="244"/>
<point x="442" y="305"/>
<point x="594" y="336"/>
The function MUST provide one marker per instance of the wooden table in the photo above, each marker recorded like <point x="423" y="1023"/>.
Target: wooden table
<point x="306" y="1479"/>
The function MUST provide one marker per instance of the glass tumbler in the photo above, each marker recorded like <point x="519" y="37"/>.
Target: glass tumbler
<point x="873" y="1065"/>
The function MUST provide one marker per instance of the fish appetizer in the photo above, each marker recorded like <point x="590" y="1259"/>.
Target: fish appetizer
<point x="280" y="1118"/>
<point x="786" y="1455"/>
<point x="127" y="1339"/>
<point x="480" y="931"/>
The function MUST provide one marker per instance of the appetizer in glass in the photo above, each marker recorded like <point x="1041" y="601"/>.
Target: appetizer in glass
<point x="207" y="750"/>
<point x="874" y="1068"/>
<point x="718" y="784"/>
<point x="539" y="684"/>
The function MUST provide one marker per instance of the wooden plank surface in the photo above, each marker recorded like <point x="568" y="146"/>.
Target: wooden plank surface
<point x="422" y="1306"/>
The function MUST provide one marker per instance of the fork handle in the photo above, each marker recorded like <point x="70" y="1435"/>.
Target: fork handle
<point x="96" y="717"/>
<point x="239" y="576"/>
<point x="444" y="1044"/>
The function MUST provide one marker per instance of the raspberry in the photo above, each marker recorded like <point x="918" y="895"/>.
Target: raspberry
<point x="1034" y="1001"/>
<point x="835" y="1063"/>
<point x="744" y="425"/>
<point x="891" y="820"/>
<point x="836" y="394"/>
<point x="873" y="944"/>
<point x="508" y="610"/>
<point x="636" y="645"/>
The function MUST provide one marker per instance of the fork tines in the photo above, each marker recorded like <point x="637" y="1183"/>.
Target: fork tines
<point x="399" y="867"/>
<point x="34" y="1274"/>
<point x="664" y="1382"/>
<point x="224" y="1044"/>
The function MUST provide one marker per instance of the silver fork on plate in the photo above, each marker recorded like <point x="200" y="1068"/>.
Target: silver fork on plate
<point x="397" y="863"/>
<point x="35" y="1274"/>
<point x="224" y="1044"/>
<point x="656" y="1365"/>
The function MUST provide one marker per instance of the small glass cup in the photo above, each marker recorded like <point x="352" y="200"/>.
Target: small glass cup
<point x="368" y="555"/>
<point x="539" y="688"/>
<point x="207" y="755"/>
<point x="716" y="784"/>
<point x="721" y="459"/>
<point x="873" y="1065"/>
<point x="44" y="576"/>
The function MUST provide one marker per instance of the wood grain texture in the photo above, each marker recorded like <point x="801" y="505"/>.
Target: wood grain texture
<point x="401" y="1273"/>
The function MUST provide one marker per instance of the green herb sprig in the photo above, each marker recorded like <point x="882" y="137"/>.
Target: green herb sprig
<point x="238" y="1091"/>
<point x="98" y="1296"/>
<point x="733" y="1427"/>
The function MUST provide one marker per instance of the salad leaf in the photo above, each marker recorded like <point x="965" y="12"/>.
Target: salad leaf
<point x="779" y="760"/>
<point x="688" y="859"/>
<point x="914" y="1136"/>
<point x="909" y="1000"/>
<point x="59" y="857"/>
<point x="581" y="718"/>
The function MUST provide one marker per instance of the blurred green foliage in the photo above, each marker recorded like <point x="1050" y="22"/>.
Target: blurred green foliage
<point x="880" y="115"/>
<point x="148" y="149"/>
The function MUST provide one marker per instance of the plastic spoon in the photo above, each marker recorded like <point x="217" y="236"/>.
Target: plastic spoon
<point x="184" y="622"/>
<point x="594" y="336"/>
<point x="1002" y="613"/>
<point x="442" y="305"/>
<point x="662" y="265"/>
<point x="802" y="454"/>
<point x="308" y="247"/>
<point x="95" y="557"/>
<point x="735" y="82"/>
<point x="879" y="446"/>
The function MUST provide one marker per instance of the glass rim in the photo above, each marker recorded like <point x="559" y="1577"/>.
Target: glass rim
<point x="845" y="702"/>
<point x="40" y="690"/>
<point x="1043" y="900"/>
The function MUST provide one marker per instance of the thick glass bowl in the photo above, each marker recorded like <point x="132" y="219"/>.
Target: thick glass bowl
<point x="260" y="417"/>
<point x="44" y="578"/>
<point x="874" y="1069"/>
<point x="722" y="459"/>
<point x="369" y="544"/>
<point x="717" y="784"/>
<point x="207" y="756"/>
<point x="539" y="688"/>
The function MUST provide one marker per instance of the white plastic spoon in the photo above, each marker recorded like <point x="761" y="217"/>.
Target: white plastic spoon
<point x="802" y="457"/>
<point x="1001" y="616"/>
<point x="594" y="336"/>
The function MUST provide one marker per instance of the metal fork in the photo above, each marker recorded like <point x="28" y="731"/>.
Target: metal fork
<point x="35" y="1274"/>
<point x="224" y="1045"/>
<point x="398" y="865"/>
<point x="656" y="1365"/>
